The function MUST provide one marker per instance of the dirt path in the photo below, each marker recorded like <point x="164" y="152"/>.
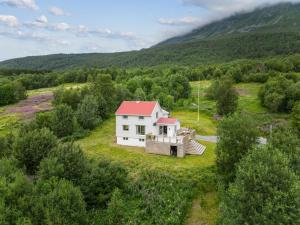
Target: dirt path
<point x="204" y="210"/>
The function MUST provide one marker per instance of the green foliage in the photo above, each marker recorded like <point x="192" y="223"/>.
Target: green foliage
<point x="103" y="86"/>
<point x="70" y="97"/>
<point x="87" y="112"/>
<point x="11" y="92"/>
<point x="287" y="142"/>
<point x="65" y="161"/>
<point x="59" y="202"/>
<point x="98" y="185"/>
<point x="158" y="203"/>
<point x="227" y="98"/>
<point x="238" y="134"/>
<point x="179" y="86"/>
<point x="279" y="94"/>
<point x="139" y="95"/>
<point x="115" y="213"/>
<point x="31" y="147"/>
<point x="296" y="117"/>
<point x="63" y="121"/>
<point x="265" y="191"/>
<point x="15" y="194"/>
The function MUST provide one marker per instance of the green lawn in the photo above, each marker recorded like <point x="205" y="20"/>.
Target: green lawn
<point x="100" y="144"/>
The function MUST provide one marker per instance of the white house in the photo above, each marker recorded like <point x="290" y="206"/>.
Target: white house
<point x="146" y="124"/>
<point x="136" y="119"/>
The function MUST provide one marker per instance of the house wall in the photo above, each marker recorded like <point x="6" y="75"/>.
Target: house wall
<point x="133" y="138"/>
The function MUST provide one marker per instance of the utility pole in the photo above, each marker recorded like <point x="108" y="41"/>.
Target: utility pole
<point x="198" y="100"/>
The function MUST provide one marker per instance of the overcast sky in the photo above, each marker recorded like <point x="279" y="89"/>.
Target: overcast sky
<point x="37" y="27"/>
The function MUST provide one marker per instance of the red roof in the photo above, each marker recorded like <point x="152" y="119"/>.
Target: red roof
<point x="136" y="108"/>
<point x="166" y="121"/>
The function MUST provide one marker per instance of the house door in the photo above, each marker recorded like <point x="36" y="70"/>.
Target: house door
<point x="173" y="151"/>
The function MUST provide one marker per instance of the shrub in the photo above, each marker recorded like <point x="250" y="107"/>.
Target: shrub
<point x="31" y="147"/>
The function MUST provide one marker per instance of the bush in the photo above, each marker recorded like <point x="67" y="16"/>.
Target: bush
<point x="98" y="185"/>
<point x="59" y="202"/>
<point x="65" y="161"/>
<point x="31" y="147"/>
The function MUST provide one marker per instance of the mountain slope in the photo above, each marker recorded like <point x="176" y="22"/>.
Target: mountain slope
<point x="265" y="32"/>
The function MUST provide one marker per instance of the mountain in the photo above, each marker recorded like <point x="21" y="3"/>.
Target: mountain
<point x="264" y="32"/>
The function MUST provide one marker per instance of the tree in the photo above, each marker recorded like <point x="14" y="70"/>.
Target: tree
<point x="98" y="185"/>
<point x="212" y="91"/>
<point x="65" y="161"/>
<point x="116" y="209"/>
<point x="122" y="93"/>
<point x="15" y="194"/>
<point x="237" y="135"/>
<point x="104" y="87"/>
<point x="296" y="117"/>
<point x="179" y="86"/>
<point x="265" y="191"/>
<point x="87" y="112"/>
<point x="273" y="94"/>
<point x="139" y="95"/>
<point x="59" y="202"/>
<point x="227" y="98"/>
<point x="63" y="123"/>
<point x="70" y="97"/>
<point x="31" y="147"/>
<point x="288" y="143"/>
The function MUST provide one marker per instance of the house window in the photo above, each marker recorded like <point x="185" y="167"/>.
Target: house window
<point x="125" y="138"/>
<point x="163" y="130"/>
<point x="125" y="128"/>
<point x="142" y="140"/>
<point x="125" y="117"/>
<point x="141" y="117"/>
<point x="140" y="130"/>
<point x="156" y="115"/>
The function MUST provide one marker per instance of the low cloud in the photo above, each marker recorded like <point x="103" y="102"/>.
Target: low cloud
<point x="185" y="21"/>
<point x="9" y="20"/>
<point x="29" y="4"/>
<point x="228" y="7"/>
<point x="58" y="11"/>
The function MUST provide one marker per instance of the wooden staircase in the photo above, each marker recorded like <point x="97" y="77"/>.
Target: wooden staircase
<point x="195" y="148"/>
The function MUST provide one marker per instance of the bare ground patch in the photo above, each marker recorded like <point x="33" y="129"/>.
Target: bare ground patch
<point x="27" y="108"/>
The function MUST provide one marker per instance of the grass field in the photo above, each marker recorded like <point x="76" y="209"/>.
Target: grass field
<point x="8" y="122"/>
<point x="100" y="144"/>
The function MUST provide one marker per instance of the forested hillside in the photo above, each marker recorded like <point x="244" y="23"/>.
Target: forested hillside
<point x="262" y="33"/>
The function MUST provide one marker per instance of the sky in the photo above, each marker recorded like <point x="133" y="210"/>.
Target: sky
<point x="39" y="27"/>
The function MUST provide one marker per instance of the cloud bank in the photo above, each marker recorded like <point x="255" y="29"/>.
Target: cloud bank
<point x="30" y="4"/>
